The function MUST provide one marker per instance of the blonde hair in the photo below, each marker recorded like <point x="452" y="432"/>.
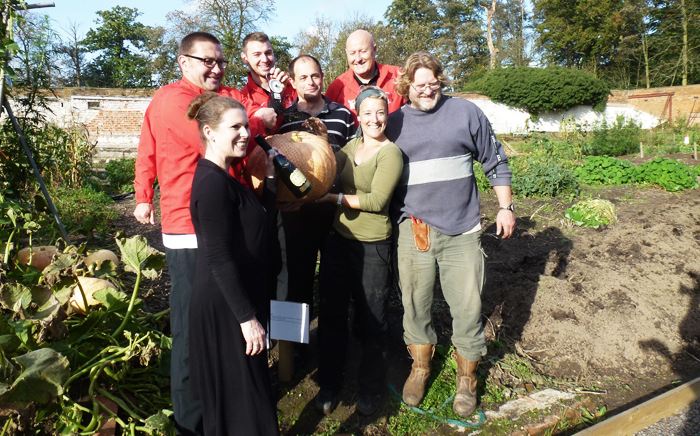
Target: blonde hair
<point x="416" y="61"/>
<point x="208" y="108"/>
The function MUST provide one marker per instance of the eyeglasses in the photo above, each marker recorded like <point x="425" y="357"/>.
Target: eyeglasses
<point x="432" y="86"/>
<point x="209" y="62"/>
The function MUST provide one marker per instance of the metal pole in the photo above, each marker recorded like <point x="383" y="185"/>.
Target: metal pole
<point x="37" y="174"/>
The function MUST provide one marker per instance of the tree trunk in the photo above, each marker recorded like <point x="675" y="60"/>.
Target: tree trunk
<point x="645" y="50"/>
<point x="684" y="17"/>
<point x="490" y="10"/>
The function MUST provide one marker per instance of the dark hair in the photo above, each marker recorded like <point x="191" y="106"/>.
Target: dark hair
<point x="190" y="40"/>
<point x="293" y="62"/>
<point x="207" y="110"/>
<point x="416" y="61"/>
<point x="255" y="36"/>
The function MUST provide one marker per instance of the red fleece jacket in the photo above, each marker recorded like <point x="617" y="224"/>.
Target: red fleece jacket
<point x="345" y="88"/>
<point x="169" y="148"/>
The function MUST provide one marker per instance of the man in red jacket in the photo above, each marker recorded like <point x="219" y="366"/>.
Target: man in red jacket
<point x="169" y="148"/>
<point x="364" y="70"/>
<point x="257" y="54"/>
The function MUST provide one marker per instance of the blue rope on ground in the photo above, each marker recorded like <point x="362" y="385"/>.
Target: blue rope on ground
<point x="431" y="412"/>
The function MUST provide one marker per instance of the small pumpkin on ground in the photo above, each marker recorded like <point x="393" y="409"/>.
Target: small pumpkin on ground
<point x="90" y="285"/>
<point x="40" y="256"/>
<point x="99" y="256"/>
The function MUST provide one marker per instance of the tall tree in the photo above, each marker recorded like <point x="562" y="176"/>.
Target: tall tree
<point x="118" y="39"/>
<point x="320" y="41"/>
<point x="460" y="42"/>
<point x="162" y="51"/>
<point x="72" y="55"/>
<point x="579" y="33"/>
<point x="228" y="20"/>
<point x="512" y="27"/>
<point x="36" y="65"/>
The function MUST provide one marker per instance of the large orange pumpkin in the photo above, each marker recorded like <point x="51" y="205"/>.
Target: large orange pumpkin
<point x="308" y="152"/>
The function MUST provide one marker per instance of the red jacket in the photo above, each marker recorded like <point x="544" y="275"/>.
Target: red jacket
<point x="169" y="148"/>
<point x="259" y="98"/>
<point x="345" y="88"/>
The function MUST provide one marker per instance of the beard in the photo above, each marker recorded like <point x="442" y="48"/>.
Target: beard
<point x="427" y="107"/>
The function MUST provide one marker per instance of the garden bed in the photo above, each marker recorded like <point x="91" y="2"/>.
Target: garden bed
<point x="608" y="313"/>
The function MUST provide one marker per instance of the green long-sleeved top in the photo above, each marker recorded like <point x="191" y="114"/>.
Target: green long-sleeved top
<point x="373" y="181"/>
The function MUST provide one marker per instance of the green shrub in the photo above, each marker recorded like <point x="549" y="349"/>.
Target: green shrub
<point x="84" y="210"/>
<point x="482" y="182"/>
<point x="618" y="139"/>
<point x="541" y="178"/>
<point x="63" y="156"/>
<point x="669" y="174"/>
<point x="603" y="170"/>
<point x="120" y="174"/>
<point x="560" y="149"/>
<point x="540" y="90"/>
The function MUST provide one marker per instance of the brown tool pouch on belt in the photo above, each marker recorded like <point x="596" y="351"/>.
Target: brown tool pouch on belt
<point x="421" y="235"/>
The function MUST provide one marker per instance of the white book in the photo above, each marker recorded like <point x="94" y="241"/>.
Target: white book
<point x="289" y="321"/>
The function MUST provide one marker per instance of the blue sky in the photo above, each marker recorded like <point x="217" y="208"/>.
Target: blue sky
<point x="298" y="15"/>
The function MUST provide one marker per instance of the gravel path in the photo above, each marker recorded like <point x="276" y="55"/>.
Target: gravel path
<point x="684" y="423"/>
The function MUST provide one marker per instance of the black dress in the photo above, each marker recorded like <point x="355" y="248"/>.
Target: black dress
<point x="229" y="288"/>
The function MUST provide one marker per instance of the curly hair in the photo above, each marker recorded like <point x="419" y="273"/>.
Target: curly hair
<point x="417" y="60"/>
<point x="207" y="110"/>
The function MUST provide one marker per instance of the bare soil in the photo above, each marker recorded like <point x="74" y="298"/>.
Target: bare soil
<point x="614" y="309"/>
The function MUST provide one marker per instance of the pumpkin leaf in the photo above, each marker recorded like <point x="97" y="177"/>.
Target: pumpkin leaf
<point x="113" y="300"/>
<point x="137" y="256"/>
<point x="43" y="373"/>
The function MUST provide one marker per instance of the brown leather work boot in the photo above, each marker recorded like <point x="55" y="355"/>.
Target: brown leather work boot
<point x="414" y="389"/>
<point x="465" y="399"/>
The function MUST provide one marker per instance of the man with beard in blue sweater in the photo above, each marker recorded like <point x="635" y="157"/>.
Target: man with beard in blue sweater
<point x="436" y="213"/>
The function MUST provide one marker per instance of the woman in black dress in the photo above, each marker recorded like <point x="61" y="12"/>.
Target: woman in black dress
<point x="229" y="306"/>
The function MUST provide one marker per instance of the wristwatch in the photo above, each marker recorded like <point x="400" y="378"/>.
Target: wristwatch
<point x="510" y="207"/>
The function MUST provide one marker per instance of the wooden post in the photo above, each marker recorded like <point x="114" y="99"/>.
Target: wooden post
<point x="285" y="365"/>
<point x="641" y="150"/>
<point x="695" y="150"/>
<point x="643" y="415"/>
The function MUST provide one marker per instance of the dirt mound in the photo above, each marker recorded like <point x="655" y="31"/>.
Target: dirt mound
<point x="615" y="301"/>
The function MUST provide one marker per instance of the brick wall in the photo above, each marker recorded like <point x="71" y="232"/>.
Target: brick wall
<point x="682" y="101"/>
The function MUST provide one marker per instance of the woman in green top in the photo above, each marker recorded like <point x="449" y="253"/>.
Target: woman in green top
<point x="356" y="259"/>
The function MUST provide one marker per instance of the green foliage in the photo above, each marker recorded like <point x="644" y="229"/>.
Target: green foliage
<point x="553" y="148"/>
<point x="63" y="156"/>
<point x="578" y="33"/>
<point x="84" y="210"/>
<point x="539" y="90"/>
<point x="482" y="182"/>
<point x="591" y="213"/>
<point x="117" y="39"/>
<point x="618" y="139"/>
<point x="64" y="361"/>
<point x="603" y="170"/>
<point x="538" y="178"/>
<point x="120" y="174"/>
<point x="20" y="220"/>
<point x="669" y="174"/>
